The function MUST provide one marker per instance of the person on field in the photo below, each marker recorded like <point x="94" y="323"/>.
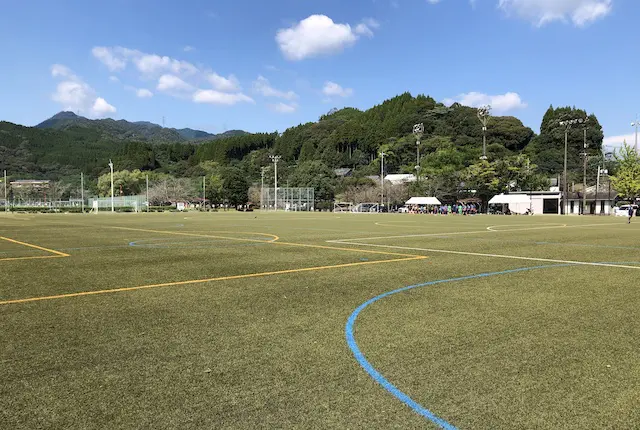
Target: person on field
<point x="630" y="213"/>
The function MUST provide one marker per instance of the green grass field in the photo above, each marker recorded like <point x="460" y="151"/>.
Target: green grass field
<point x="246" y="320"/>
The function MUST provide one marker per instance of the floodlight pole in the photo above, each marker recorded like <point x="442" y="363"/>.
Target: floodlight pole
<point x="418" y="131"/>
<point x="484" y="112"/>
<point x="382" y="155"/>
<point x="635" y="124"/>
<point x="111" y="168"/>
<point x="82" y="190"/>
<point x="275" y="159"/>
<point x="567" y="125"/>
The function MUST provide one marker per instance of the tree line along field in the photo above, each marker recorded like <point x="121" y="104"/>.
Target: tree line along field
<point x="236" y="320"/>
<point x="62" y="148"/>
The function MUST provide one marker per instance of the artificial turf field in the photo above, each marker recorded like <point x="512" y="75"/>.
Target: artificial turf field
<point x="265" y="320"/>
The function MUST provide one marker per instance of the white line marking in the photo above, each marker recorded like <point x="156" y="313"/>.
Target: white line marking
<point x="473" y="232"/>
<point x="478" y="254"/>
<point x="498" y="227"/>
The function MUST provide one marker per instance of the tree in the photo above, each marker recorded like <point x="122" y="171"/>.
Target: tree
<point x="627" y="179"/>
<point x="316" y="175"/>
<point x="235" y="187"/>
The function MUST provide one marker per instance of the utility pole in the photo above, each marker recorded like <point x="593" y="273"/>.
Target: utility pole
<point x="204" y="192"/>
<point x="484" y="113"/>
<point x="567" y="125"/>
<point x="82" y="190"/>
<point x="275" y="159"/>
<point x="111" y="168"/>
<point x="418" y="131"/>
<point x="382" y="155"/>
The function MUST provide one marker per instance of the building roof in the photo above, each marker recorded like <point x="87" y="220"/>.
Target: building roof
<point x="509" y="198"/>
<point x="345" y="171"/>
<point x="400" y="178"/>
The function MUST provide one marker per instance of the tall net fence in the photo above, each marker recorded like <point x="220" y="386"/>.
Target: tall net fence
<point x="288" y="199"/>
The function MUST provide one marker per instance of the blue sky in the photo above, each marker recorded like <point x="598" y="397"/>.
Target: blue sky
<point x="268" y="65"/>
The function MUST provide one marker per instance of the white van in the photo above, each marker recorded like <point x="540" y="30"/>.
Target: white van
<point x="624" y="210"/>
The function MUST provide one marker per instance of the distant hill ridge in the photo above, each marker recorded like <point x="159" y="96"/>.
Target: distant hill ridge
<point x="139" y="130"/>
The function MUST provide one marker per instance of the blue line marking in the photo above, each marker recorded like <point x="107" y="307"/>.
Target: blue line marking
<point x="377" y="376"/>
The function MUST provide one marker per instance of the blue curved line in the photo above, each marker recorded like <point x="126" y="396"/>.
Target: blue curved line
<point x="377" y="376"/>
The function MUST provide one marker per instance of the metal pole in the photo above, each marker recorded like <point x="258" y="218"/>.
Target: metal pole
<point x="275" y="159"/>
<point x="597" y="183"/>
<point x="566" y="195"/>
<point x="204" y="192"/>
<point x="635" y="124"/>
<point x="382" y="154"/>
<point x="6" y="198"/>
<point x="148" y="204"/>
<point x="262" y="188"/>
<point x="82" y="189"/>
<point x="111" y="168"/>
<point x="584" y="176"/>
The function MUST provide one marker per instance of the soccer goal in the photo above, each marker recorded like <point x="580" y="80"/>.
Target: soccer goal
<point x="288" y="199"/>
<point x="342" y="206"/>
<point x="120" y="203"/>
<point x="366" y="208"/>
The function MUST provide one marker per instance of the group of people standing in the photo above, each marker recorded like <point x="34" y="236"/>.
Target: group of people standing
<point x="455" y="209"/>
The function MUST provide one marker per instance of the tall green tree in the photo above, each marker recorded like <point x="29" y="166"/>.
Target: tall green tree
<point x="627" y="178"/>
<point x="235" y="187"/>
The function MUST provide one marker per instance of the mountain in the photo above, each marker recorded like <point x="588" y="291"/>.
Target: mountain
<point x="132" y="131"/>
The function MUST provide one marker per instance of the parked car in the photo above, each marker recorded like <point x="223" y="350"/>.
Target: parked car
<point x="403" y="210"/>
<point x="624" y="210"/>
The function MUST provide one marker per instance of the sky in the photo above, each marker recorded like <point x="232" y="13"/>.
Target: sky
<point x="263" y="66"/>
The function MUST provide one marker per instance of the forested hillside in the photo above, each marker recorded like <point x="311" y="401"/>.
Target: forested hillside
<point x="346" y="138"/>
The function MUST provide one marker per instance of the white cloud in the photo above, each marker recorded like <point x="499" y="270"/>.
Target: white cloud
<point x="188" y="48"/>
<point x="284" y="107"/>
<point x="114" y="79"/>
<point x="433" y="1"/>
<point x="172" y="83"/>
<point x="109" y="58"/>
<point x="76" y="95"/>
<point x="221" y="83"/>
<point x="499" y="103"/>
<point x="101" y="107"/>
<point x="263" y="87"/>
<point x="319" y="35"/>
<point x="143" y="93"/>
<point x="331" y="89"/>
<point x="220" y="98"/>
<point x="541" y="12"/>
<point x="616" y="141"/>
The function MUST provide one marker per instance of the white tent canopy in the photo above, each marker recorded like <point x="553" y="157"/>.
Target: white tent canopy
<point x="423" y="201"/>
<point x="503" y="199"/>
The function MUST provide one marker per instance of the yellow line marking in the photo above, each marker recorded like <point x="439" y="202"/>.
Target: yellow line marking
<point x="275" y="241"/>
<point x="200" y="281"/>
<point x="39" y="257"/>
<point x="178" y="233"/>
<point x="61" y="254"/>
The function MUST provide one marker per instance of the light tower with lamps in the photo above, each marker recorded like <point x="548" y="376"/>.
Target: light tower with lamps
<point x="418" y="131"/>
<point x="275" y="159"/>
<point x="111" y="168"/>
<point x="484" y="113"/>
<point x="567" y="125"/>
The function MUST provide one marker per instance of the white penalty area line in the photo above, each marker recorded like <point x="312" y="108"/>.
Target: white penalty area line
<point x="403" y="236"/>
<point x="479" y="254"/>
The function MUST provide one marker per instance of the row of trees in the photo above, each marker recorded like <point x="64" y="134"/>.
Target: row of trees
<point x="345" y="138"/>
